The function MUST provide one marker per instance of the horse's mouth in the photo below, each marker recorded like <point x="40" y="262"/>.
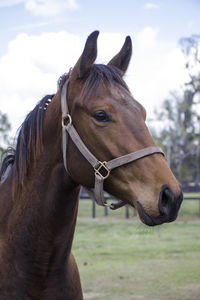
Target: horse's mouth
<point x="153" y="220"/>
<point x="168" y="207"/>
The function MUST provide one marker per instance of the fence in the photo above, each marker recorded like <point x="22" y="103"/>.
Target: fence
<point x="193" y="198"/>
<point x="106" y="209"/>
<point x="129" y="211"/>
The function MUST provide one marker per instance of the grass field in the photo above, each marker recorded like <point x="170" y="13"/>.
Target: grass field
<point x="125" y="260"/>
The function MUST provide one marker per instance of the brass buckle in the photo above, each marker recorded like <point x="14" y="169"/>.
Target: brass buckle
<point x="102" y="168"/>
<point x="66" y="120"/>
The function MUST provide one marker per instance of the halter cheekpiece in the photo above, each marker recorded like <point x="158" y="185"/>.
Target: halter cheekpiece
<point x="101" y="169"/>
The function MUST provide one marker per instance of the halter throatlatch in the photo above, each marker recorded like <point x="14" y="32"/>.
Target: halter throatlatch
<point x="101" y="169"/>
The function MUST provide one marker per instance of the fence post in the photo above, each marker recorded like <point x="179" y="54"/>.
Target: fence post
<point x="106" y="211"/>
<point x="127" y="212"/>
<point x="199" y="207"/>
<point x="93" y="209"/>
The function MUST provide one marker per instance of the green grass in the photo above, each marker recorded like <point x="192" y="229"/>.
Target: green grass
<point x="124" y="259"/>
<point x="127" y="260"/>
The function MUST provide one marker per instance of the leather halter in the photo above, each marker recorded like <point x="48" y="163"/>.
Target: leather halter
<point x="102" y="169"/>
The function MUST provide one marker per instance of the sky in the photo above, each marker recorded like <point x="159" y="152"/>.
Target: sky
<point x="42" y="39"/>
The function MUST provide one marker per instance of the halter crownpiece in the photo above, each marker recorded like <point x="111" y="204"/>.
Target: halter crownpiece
<point x="101" y="169"/>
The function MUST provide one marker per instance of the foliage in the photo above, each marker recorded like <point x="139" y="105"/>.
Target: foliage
<point x="180" y="136"/>
<point x="4" y="129"/>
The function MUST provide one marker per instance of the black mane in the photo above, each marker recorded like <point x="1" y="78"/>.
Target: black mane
<point x="29" y="142"/>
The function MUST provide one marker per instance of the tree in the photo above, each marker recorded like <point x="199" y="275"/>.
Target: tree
<point x="4" y="129"/>
<point x="180" y="136"/>
<point x="191" y="48"/>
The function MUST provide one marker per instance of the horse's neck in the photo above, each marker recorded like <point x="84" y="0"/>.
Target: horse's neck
<point x="40" y="224"/>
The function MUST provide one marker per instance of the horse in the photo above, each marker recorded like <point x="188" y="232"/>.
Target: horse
<point x="90" y="133"/>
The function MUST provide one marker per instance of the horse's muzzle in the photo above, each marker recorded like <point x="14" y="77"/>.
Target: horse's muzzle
<point x="168" y="205"/>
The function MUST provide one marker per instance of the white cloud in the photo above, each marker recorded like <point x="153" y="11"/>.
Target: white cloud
<point x="33" y="64"/>
<point x="43" y="7"/>
<point x="157" y="67"/>
<point x="31" y="68"/>
<point x="49" y="7"/>
<point x="151" y="5"/>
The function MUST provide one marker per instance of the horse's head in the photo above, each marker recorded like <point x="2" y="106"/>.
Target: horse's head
<point x="111" y="124"/>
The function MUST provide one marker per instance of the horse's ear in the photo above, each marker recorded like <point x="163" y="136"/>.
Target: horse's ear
<point x="122" y="59"/>
<point x="87" y="58"/>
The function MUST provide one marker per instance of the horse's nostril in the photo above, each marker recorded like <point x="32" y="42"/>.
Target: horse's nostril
<point x="167" y="201"/>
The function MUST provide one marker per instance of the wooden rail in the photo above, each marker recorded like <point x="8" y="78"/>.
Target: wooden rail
<point x="107" y="198"/>
<point x="127" y="208"/>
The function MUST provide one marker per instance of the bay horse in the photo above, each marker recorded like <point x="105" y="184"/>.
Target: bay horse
<point x="92" y="115"/>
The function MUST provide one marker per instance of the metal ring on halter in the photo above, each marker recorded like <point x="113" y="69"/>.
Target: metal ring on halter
<point x="102" y="167"/>
<point x="66" y="120"/>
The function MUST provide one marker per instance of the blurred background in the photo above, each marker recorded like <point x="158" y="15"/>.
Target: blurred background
<point x="40" y="40"/>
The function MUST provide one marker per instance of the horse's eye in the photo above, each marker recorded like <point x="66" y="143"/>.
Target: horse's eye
<point x="102" y="116"/>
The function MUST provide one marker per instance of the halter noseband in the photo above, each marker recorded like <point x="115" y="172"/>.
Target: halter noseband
<point x="101" y="169"/>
